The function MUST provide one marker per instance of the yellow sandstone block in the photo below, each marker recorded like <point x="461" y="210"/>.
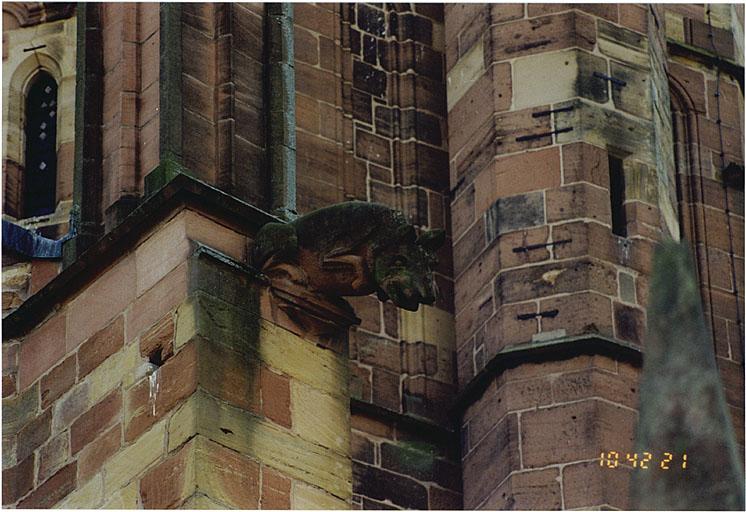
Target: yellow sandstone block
<point x="306" y="497"/>
<point x="89" y="495"/>
<point x="122" y="367"/>
<point x="320" y="418"/>
<point x="186" y="323"/>
<point x="134" y="459"/>
<point x="127" y="498"/>
<point x="318" y="367"/>
<point x="261" y="440"/>
<point x="429" y="324"/>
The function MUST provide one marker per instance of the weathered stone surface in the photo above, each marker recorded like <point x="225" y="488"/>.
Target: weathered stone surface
<point x="682" y="407"/>
<point x="148" y="448"/>
<point x="261" y="440"/>
<point x="88" y="495"/>
<point x="553" y="77"/>
<point x="381" y="484"/>
<point x="603" y="127"/>
<point x="320" y="418"/>
<point x="515" y="212"/>
<point x="311" y="498"/>
<point x="18" y="411"/>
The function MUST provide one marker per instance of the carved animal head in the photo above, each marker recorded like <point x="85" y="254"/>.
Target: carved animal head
<point x="402" y="268"/>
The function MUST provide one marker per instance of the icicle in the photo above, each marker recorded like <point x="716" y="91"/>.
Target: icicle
<point x="153" y="391"/>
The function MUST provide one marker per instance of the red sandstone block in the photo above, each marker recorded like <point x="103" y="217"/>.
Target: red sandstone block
<point x="607" y="11"/>
<point x="505" y="328"/>
<point x="491" y="461"/>
<point x="518" y="239"/>
<point x="530" y="490"/>
<point x="101" y="301"/>
<point x="307" y="113"/>
<point x="588" y="485"/>
<point x="378" y="352"/>
<point x="43" y="348"/>
<point x="163" y="486"/>
<point x="99" y="418"/>
<point x="9" y="385"/>
<point x="579" y="431"/>
<point x="176" y="380"/>
<point x="462" y="212"/>
<point x="18" y="480"/>
<point x="386" y="389"/>
<point x="729" y="102"/>
<point x="153" y="305"/>
<point x="53" y="490"/>
<point x="96" y="453"/>
<point x="315" y="18"/>
<point x="100" y="346"/>
<point x="584" y="162"/>
<point x="469" y="247"/>
<point x="634" y="17"/>
<point x="57" y="381"/>
<point x="596" y="317"/>
<point x="360" y="382"/>
<point x="443" y="499"/>
<point x="158" y="341"/>
<point x="306" y="46"/>
<point x="511" y="127"/>
<point x="53" y="455"/>
<point x="372" y="147"/>
<point x="237" y="476"/>
<point x="547" y="33"/>
<point x="578" y="201"/>
<point x="276" y="403"/>
<point x="517" y="174"/>
<point x="592" y="382"/>
<point x="476" y="313"/>
<point x="44" y="271"/>
<point x="316" y="83"/>
<point x="275" y="490"/>
<point x="373" y="426"/>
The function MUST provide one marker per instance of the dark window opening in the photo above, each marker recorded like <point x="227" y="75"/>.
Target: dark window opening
<point x="40" y="170"/>
<point x="616" y="190"/>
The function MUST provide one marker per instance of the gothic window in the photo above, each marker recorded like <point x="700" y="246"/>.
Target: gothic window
<point x="40" y="169"/>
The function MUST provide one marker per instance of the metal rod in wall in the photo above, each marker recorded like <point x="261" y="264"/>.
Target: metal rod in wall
<point x="280" y="108"/>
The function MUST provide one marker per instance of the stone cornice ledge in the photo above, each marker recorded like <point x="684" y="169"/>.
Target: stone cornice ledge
<point x="551" y="350"/>
<point x="180" y="191"/>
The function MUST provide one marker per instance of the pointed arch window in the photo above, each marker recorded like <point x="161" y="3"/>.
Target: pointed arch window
<point x="40" y="169"/>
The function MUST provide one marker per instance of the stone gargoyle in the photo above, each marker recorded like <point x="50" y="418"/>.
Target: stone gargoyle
<point x="352" y="248"/>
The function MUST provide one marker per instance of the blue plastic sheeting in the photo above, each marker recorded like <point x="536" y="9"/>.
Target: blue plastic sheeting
<point x="31" y="244"/>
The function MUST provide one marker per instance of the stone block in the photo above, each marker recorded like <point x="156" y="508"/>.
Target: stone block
<point x="627" y="287"/>
<point x="579" y="200"/>
<point x="89" y="495"/>
<point x="596" y="317"/>
<point x="587" y="485"/>
<point x="517" y="174"/>
<point x="629" y="323"/>
<point x="163" y="251"/>
<point x="261" y="440"/>
<point x="584" y="162"/>
<point x="466" y="72"/>
<point x="20" y="410"/>
<point x="95" y="454"/>
<point x="100" y="346"/>
<point x="57" y="382"/>
<point x="491" y="461"/>
<point x="125" y="367"/>
<point x="53" y="490"/>
<point x="554" y="77"/>
<point x="595" y="382"/>
<point x="157" y="301"/>
<point x="530" y="490"/>
<point x="53" y="455"/>
<point x="133" y="459"/>
<point x="509" y="242"/>
<point x="540" y="35"/>
<point x="275" y="490"/>
<point x="18" y="480"/>
<point x="172" y="481"/>
<point x="634" y="97"/>
<point x="513" y="213"/>
<point x="95" y="421"/>
<point x="580" y="431"/>
<point x="276" y="398"/>
<point x="603" y="127"/>
<point x="307" y="497"/>
<point x="101" y="301"/>
<point x="42" y="349"/>
<point x="382" y="485"/>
